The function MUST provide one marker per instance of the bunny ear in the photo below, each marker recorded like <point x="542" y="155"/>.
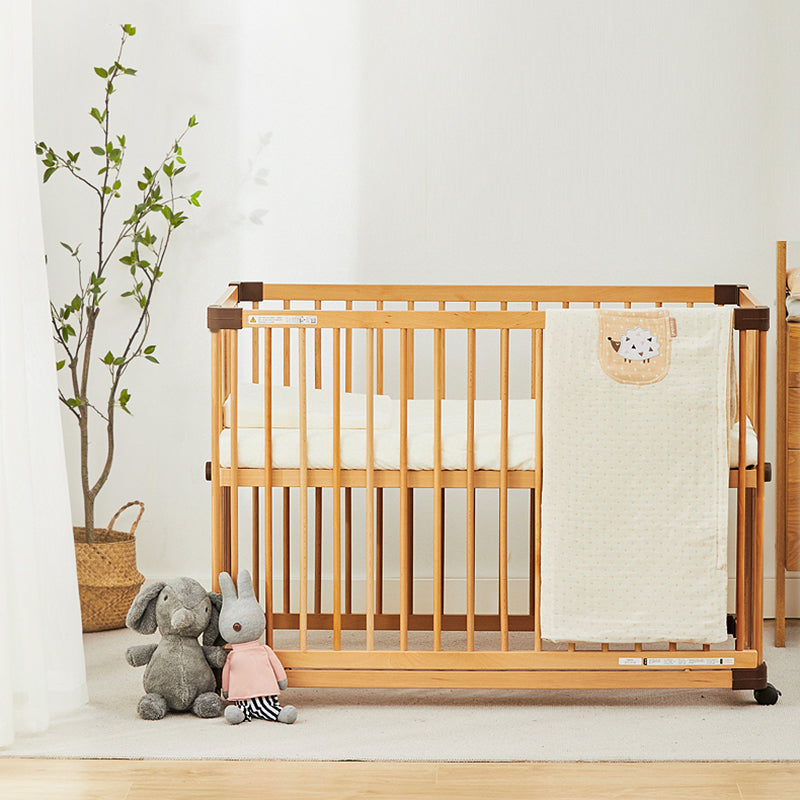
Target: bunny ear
<point x="245" y="584"/>
<point x="226" y="586"/>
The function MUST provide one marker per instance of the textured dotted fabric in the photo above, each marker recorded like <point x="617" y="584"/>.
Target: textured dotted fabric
<point x="635" y="486"/>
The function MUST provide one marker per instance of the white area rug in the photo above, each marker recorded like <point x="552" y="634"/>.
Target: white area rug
<point x="438" y="725"/>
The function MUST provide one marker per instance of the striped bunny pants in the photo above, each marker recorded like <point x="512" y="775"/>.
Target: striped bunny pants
<point x="266" y="707"/>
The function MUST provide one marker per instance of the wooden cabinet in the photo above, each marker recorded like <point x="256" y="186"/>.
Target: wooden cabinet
<point x="787" y="442"/>
<point x="791" y="444"/>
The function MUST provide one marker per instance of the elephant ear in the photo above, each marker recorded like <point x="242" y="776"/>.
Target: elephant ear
<point x="142" y="614"/>
<point x="211" y="633"/>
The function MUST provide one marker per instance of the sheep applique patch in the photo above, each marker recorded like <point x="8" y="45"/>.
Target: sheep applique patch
<point x="634" y="346"/>
<point x="638" y="344"/>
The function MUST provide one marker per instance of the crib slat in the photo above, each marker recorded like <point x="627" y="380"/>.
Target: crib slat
<point x="318" y="490"/>
<point x="234" y="401"/>
<point x="379" y="491"/>
<point x="410" y="492"/>
<point x="287" y="497"/>
<point x="379" y="550"/>
<point x="538" y="489"/>
<point x="287" y="532"/>
<point x="438" y="566"/>
<point x="405" y="566"/>
<point x="370" y="485"/>
<point x="337" y="496"/>
<point x="303" y="436"/>
<point x="471" y="366"/>
<point x="255" y="542"/>
<point x="268" y="578"/>
<point x="348" y="550"/>
<point x="318" y="550"/>
<point x="348" y="492"/>
<point x="504" y="367"/>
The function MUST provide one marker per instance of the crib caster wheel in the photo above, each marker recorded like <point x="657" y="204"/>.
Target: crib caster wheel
<point x="767" y="696"/>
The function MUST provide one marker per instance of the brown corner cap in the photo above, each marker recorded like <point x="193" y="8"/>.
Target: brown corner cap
<point x="250" y="291"/>
<point x="751" y="319"/>
<point x="727" y="294"/>
<point x="220" y="318"/>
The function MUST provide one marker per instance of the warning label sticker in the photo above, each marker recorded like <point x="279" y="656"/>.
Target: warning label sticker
<point x="281" y="319"/>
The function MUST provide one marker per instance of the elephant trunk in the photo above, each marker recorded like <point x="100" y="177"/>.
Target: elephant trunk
<point x="182" y="621"/>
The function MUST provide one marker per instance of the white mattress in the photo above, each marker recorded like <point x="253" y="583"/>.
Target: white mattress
<point x="286" y="439"/>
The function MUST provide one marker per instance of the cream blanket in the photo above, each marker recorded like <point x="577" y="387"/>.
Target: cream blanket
<point x="635" y="484"/>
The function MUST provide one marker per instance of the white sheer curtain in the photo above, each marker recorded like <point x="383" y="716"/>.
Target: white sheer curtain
<point x="42" y="670"/>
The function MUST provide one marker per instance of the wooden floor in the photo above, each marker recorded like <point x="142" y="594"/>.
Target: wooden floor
<point x="25" y="779"/>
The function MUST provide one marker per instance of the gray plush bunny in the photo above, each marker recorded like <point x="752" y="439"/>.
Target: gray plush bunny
<point x="179" y="672"/>
<point x="253" y="676"/>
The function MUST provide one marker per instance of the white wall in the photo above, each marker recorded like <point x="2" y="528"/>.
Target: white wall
<point x="444" y="141"/>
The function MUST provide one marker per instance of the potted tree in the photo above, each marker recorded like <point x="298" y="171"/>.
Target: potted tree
<point x="131" y="244"/>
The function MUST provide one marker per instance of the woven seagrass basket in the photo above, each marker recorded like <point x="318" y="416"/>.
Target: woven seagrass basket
<point x="108" y="579"/>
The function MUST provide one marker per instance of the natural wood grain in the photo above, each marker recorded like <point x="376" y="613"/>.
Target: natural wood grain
<point x="26" y="779"/>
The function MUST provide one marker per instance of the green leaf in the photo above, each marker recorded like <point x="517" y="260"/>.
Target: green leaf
<point x="101" y="72"/>
<point x="96" y="113"/>
<point x="149" y="349"/>
<point x="118" y="361"/>
<point x="48" y="173"/>
<point x="153" y="359"/>
<point x="98" y="151"/>
<point x="108" y="358"/>
<point x="192" y="121"/>
<point x="73" y="402"/>
<point x="60" y="365"/>
<point x="129" y="29"/>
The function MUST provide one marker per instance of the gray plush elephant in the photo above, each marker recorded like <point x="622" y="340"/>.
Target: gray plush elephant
<point x="179" y="672"/>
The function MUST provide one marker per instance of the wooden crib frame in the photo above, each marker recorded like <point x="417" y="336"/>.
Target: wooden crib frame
<point x="248" y="317"/>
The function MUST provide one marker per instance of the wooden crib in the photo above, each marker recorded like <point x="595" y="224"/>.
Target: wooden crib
<point x="386" y="574"/>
